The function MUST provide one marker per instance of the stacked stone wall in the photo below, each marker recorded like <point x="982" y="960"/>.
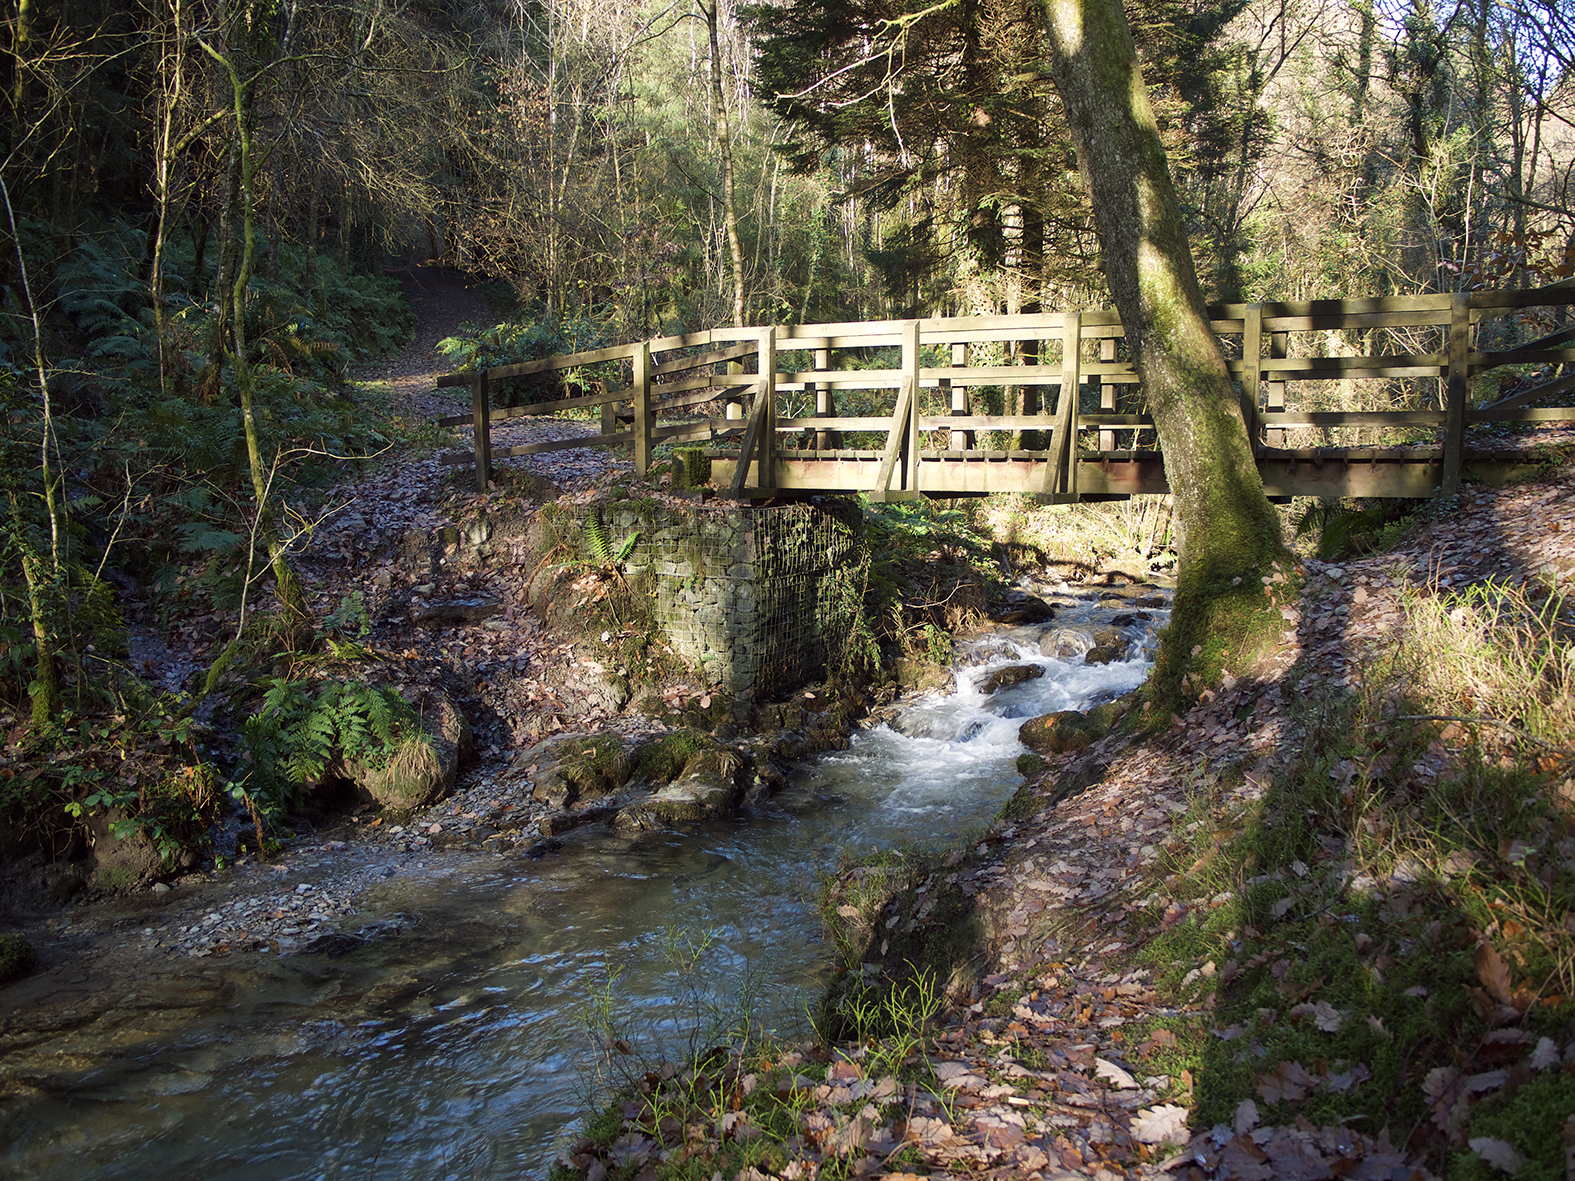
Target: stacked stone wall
<point x="757" y="600"/>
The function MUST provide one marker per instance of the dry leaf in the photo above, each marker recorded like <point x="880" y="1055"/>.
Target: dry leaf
<point x="1288" y="1082"/>
<point x="1498" y="1153"/>
<point x="1545" y="1055"/>
<point x="1246" y="1116"/>
<point x="1103" y="1068"/>
<point x="1165" y="1124"/>
<point x="1494" y="973"/>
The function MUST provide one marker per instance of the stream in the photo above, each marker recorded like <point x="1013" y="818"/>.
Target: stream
<point x="460" y="1049"/>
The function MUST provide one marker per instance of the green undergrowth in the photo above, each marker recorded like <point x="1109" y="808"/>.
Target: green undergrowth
<point x="1384" y="930"/>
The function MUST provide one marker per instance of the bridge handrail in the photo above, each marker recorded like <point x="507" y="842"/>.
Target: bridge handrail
<point x="1258" y="370"/>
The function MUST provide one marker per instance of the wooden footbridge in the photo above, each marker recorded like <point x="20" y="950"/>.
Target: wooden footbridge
<point x="928" y="398"/>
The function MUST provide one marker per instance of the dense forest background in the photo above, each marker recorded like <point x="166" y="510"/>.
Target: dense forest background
<point x="643" y="164"/>
<point x="201" y="199"/>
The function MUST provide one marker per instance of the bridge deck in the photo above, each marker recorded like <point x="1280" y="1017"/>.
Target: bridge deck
<point x="1116" y="475"/>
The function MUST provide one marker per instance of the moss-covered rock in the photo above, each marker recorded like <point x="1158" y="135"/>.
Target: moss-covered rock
<point x="923" y="676"/>
<point x="423" y="767"/>
<point x="1012" y="674"/>
<point x="17" y="958"/>
<point x="1060" y="733"/>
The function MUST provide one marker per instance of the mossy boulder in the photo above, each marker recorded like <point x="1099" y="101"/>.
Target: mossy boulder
<point x="693" y="776"/>
<point x="1060" y="733"/>
<point x="422" y="768"/>
<point x="711" y="785"/>
<point x="924" y="676"/>
<point x="122" y="863"/>
<point x="17" y="958"/>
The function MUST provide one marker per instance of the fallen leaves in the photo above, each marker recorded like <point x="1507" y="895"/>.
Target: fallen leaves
<point x="1165" y="1124"/>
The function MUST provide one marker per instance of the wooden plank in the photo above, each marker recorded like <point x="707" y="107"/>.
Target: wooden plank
<point x="1524" y="355"/>
<point x="682" y="364"/>
<point x="1353" y="418"/>
<point x="1511" y="414"/>
<point x="748" y="447"/>
<point x="536" y="409"/>
<point x="683" y="432"/>
<point x="561" y="361"/>
<point x="882" y="423"/>
<point x="710" y="393"/>
<point x="1060" y="472"/>
<point x="1298" y="368"/>
<point x="1423" y="319"/>
<point x="1546" y="390"/>
<point x="640" y="391"/>
<point x="897" y="430"/>
<point x="1251" y="367"/>
<point x="1334" y="307"/>
<point x="766" y="440"/>
<point x="455" y="457"/>
<point x="1455" y="384"/>
<point x="1554" y="294"/>
<point x="910" y="441"/>
<point x="1115" y="420"/>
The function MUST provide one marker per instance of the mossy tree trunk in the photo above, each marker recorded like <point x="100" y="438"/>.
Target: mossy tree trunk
<point x="1230" y="533"/>
<point x="243" y="93"/>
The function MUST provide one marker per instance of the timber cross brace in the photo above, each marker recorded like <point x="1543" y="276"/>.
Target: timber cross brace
<point x="959" y="379"/>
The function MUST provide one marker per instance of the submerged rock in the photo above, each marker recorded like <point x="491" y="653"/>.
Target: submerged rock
<point x="1064" y="643"/>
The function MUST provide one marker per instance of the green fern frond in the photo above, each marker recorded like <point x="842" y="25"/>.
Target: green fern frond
<point x="596" y="537"/>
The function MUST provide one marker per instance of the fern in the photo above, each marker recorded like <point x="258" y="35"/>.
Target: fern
<point x="596" y="537"/>
<point x="295" y="738"/>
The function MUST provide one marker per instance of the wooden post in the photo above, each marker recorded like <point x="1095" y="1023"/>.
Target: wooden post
<point x="825" y="404"/>
<point x="1455" y="392"/>
<point x="766" y="481"/>
<point x="481" y="424"/>
<point x="1062" y="478"/>
<point x="910" y="378"/>
<point x="1274" y="403"/>
<point x="609" y="418"/>
<point x="958" y="397"/>
<point x="640" y="387"/>
<point x="1251" y="364"/>
<point x="1107" y="393"/>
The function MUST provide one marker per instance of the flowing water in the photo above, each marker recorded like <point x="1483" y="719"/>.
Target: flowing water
<point x="459" y="1049"/>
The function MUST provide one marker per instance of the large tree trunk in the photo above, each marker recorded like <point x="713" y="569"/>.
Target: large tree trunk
<point x="1230" y="533"/>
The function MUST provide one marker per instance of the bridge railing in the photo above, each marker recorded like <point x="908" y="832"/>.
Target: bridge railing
<point x="1272" y="345"/>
